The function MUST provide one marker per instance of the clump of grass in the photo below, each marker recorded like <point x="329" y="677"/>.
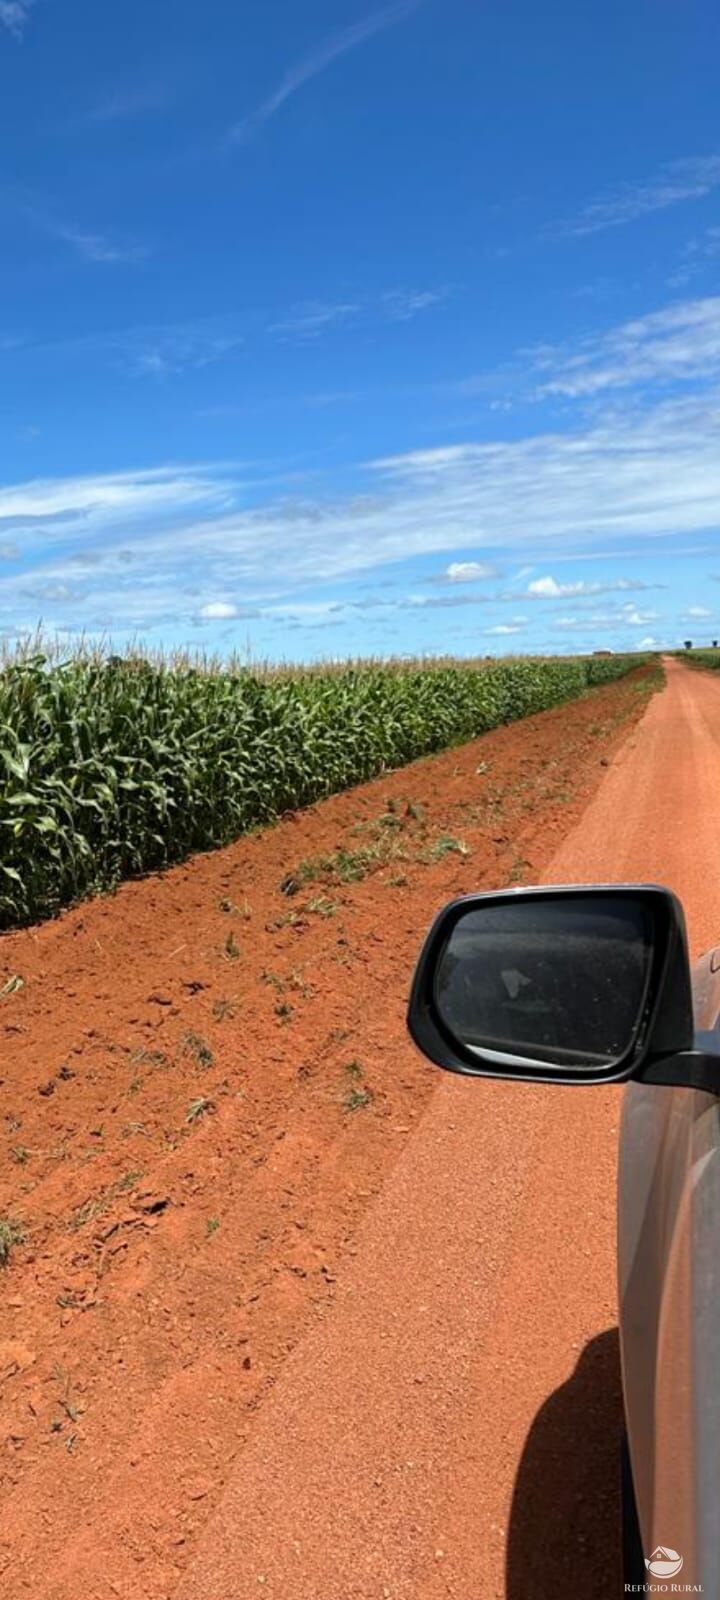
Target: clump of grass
<point x="358" y="1095"/>
<point x="223" y="1008"/>
<point x="322" y="907"/>
<point x="200" y="1107"/>
<point x="11" y="1234"/>
<point x="289" y="919"/>
<point x="150" y="1058"/>
<point x="415" y="810"/>
<point x="21" y="1154"/>
<point x="12" y="985"/>
<point x="273" y="979"/>
<point x="447" y="845"/>
<point x="356" y="1099"/>
<point x="212" y="1225"/>
<point x="85" y="1213"/>
<point x="342" y="865"/>
<point x="232" y="910"/>
<point x="194" y="1045"/>
<point x="389" y="819"/>
<point x="283" y="1010"/>
<point x="232" y="948"/>
<point x="128" y="1181"/>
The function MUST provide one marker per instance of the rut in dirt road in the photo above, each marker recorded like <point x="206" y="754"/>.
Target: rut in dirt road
<point x="471" y="1348"/>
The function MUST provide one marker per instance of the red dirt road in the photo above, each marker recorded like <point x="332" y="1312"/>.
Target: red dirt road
<point x="276" y="1277"/>
<point x="470" y="1348"/>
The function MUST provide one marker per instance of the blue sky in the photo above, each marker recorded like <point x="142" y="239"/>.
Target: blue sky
<point x="333" y="330"/>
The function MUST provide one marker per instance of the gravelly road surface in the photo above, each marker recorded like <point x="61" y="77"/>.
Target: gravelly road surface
<point x="451" y="1427"/>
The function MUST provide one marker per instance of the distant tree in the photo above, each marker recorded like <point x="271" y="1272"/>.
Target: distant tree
<point x="688" y="644"/>
<point x="715" y="644"/>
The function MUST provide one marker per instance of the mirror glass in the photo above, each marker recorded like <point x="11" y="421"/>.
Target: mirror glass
<point x="549" y="980"/>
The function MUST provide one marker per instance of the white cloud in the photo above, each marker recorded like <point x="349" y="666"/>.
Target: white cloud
<point x="52" y="511"/>
<point x="308" y="320"/>
<point x="122" y="105"/>
<point x="628" y="617"/>
<point x="86" y="242"/>
<point x="515" y="625"/>
<point x="216" y="610"/>
<point x="680" y="343"/>
<point x="144" y="545"/>
<point x="310" y="66"/>
<point x="165" y="352"/>
<point x="648" y="643"/>
<point x="697" y="611"/>
<point x="401" y="305"/>
<point x="14" y="15"/>
<point x="549" y="589"/>
<point x="469" y="571"/>
<point x="638" y="619"/>
<point x="688" y="179"/>
<point x="97" y="246"/>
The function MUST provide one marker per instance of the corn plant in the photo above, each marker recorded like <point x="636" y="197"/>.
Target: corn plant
<point x="114" y="766"/>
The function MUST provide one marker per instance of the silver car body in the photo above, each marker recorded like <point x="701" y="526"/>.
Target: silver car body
<point x="669" y="1288"/>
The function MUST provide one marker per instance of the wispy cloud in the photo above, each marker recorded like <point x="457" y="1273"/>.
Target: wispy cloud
<point x="312" y="318"/>
<point x="694" y="257"/>
<point x="141" y="548"/>
<point x="680" y="343"/>
<point x="168" y="351"/>
<point x="154" y="350"/>
<point x="676" y="181"/>
<point x="162" y="350"/>
<point x="401" y="305"/>
<point x="89" y="243"/>
<point x="96" y="246"/>
<point x="124" y="105"/>
<point x="627" y="616"/>
<point x="317" y="61"/>
<point x="14" y="15"/>
<point x="308" y="320"/>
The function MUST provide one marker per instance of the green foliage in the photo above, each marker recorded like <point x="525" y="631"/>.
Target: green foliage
<point x="110" y="767"/>
<point x="701" y="658"/>
<point x="11" y="1233"/>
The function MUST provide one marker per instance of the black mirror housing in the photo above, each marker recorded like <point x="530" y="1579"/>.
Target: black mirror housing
<point x="561" y="984"/>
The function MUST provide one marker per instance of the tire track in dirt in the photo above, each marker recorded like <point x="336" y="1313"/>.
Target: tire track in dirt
<point x="139" y="1342"/>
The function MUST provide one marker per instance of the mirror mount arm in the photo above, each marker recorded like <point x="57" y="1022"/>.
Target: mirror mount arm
<point x="698" y="1068"/>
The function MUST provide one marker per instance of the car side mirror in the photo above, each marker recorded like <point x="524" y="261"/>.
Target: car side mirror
<point x="577" y="984"/>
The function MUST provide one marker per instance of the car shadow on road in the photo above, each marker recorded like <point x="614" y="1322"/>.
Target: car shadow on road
<point x="564" y="1538"/>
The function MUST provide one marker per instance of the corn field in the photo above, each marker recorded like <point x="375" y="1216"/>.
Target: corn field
<point x="117" y="766"/>
<point x="700" y="658"/>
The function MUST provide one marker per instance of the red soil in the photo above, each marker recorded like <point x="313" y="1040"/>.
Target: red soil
<point x="200" y="1100"/>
